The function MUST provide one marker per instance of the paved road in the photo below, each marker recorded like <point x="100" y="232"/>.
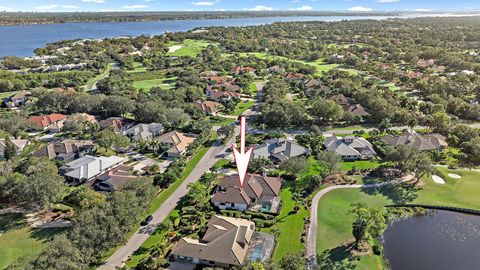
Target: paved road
<point x="207" y="161"/>
<point x="123" y="253"/>
<point x="312" y="230"/>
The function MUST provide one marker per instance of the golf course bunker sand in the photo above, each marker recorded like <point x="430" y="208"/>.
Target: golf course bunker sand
<point x="437" y="179"/>
<point x="174" y="48"/>
<point x="454" y="176"/>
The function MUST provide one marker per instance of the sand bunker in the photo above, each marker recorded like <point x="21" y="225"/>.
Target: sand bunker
<point x="174" y="48"/>
<point x="437" y="179"/>
<point x="455" y="176"/>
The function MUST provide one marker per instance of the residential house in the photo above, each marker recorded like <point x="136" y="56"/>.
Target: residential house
<point x="209" y="73"/>
<point x="217" y="79"/>
<point x="258" y="193"/>
<point x="226" y="243"/>
<point x="239" y="69"/>
<point x="293" y="75"/>
<point x="66" y="150"/>
<point x="420" y="142"/>
<point x="279" y="149"/>
<point x="209" y="107"/>
<point x="350" y="147"/>
<point x="52" y="122"/>
<point x="117" y="124"/>
<point x="225" y="86"/>
<point x="19" y="144"/>
<point x="87" y="168"/>
<point x="116" y="179"/>
<point x="218" y="95"/>
<point x="176" y="142"/>
<point x="144" y="131"/>
<point x="356" y="110"/>
<point x="422" y="63"/>
<point x="309" y="83"/>
<point x="82" y="118"/>
<point x="17" y="100"/>
<point x="340" y="99"/>
<point x="276" y="69"/>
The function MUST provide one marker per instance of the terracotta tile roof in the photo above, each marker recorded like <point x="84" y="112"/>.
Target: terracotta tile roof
<point x="44" y="121"/>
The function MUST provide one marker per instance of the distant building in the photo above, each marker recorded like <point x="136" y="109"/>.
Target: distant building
<point x="218" y="95"/>
<point x="209" y="107"/>
<point x="17" y="100"/>
<point x="19" y="144"/>
<point x="144" y="131"/>
<point x="356" y="110"/>
<point x="259" y="193"/>
<point x="87" y="168"/>
<point x="66" y="150"/>
<point x="279" y="150"/>
<point x="117" y="124"/>
<point x="176" y="142"/>
<point x="420" y="142"/>
<point x="293" y="75"/>
<point x="239" y="69"/>
<point x="350" y="147"/>
<point x="52" y="122"/>
<point x="227" y="243"/>
<point x="116" y="179"/>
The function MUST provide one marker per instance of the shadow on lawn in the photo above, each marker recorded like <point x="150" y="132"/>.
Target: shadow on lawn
<point x="401" y="193"/>
<point x="339" y="258"/>
<point x="11" y="221"/>
<point x="45" y="234"/>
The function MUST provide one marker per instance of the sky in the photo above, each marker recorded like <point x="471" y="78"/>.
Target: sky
<point x="227" y="5"/>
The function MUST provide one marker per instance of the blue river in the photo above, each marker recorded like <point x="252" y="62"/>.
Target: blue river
<point x="22" y="40"/>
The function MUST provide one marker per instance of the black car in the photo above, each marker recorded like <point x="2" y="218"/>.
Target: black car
<point x="146" y="221"/>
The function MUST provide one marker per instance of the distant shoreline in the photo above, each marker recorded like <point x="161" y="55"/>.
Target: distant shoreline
<point x="41" y="18"/>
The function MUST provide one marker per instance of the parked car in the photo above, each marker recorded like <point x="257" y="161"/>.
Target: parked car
<point x="146" y="221"/>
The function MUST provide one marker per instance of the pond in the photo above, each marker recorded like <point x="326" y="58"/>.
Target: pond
<point x="440" y="240"/>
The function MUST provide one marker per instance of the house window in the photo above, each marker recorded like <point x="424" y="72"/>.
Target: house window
<point x="232" y="205"/>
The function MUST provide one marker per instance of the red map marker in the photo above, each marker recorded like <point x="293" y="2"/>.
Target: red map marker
<point x="242" y="158"/>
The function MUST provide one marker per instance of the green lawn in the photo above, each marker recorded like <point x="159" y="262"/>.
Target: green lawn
<point x="189" y="47"/>
<point x="137" y="67"/>
<point x="18" y="240"/>
<point x="242" y="106"/>
<point x="221" y="121"/>
<point x="252" y="88"/>
<point x="360" y="164"/>
<point x="463" y="192"/>
<point x="290" y="225"/>
<point x="334" y="224"/>
<point x="164" y="83"/>
<point x="7" y="94"/>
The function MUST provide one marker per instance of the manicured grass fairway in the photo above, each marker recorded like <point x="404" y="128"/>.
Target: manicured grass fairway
<point x="334" y="224"/>
<point x="290" y="226"/>
<point x="18" y="240"/>
<point x="319" y="65"/>
<point x="189" y="47"/>
<point x="147" y="85"/>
